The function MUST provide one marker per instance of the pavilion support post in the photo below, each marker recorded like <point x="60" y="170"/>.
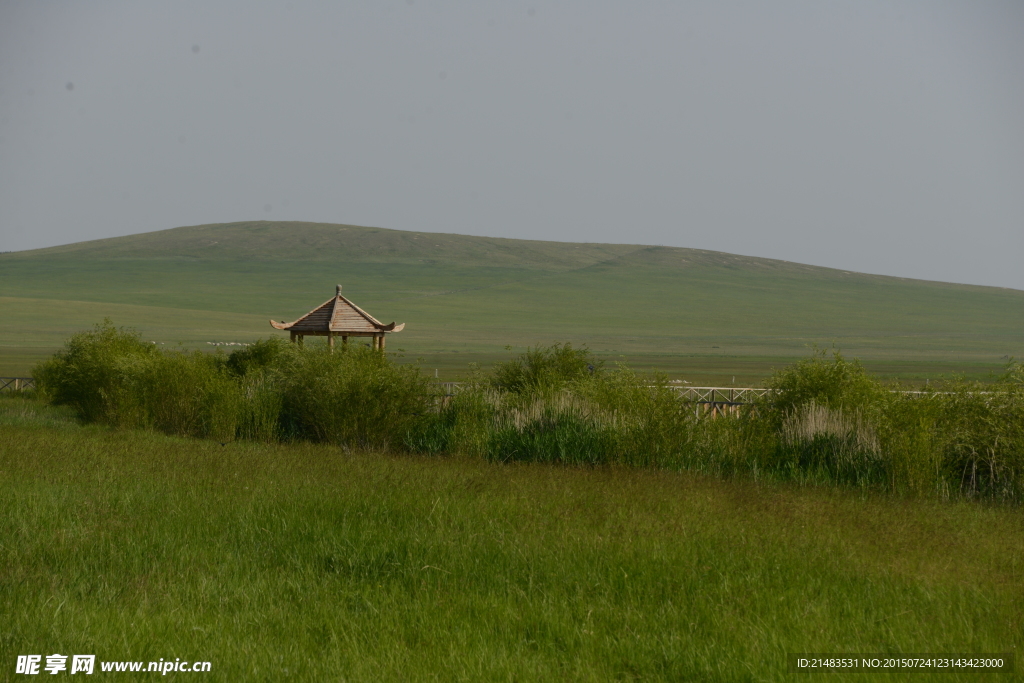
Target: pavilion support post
<point x="344" y="342"/>
<point x="293" y="337"/>
<point x="382" y="340"/>
<point x="302" y="338"/>
<point x="330" y="341"/>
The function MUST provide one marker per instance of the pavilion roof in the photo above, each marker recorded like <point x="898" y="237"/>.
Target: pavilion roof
<point x="339" y="315"/>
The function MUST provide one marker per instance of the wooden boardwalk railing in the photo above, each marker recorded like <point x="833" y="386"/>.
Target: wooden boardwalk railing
<point x="714" y="400"/>
<point x="720" y="394"/>
<point x="701" y="394"/>
<point x="12" y="384"/>
<point x="717" y="400"/>
<point x="720" y="400"/>
<point x="709" y="401"/>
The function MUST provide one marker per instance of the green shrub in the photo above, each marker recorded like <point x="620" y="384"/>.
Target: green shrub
<point x="258" y="371"/>
<point x="186" y="394"/>
<point x="262" y="354"/>
<point x="915" y="446"/>
<point x="266" y="391"/>
<point x="89" y="374"/>
<point x="819" y="421"/>
<point x="834" y="383"/>
<point x="461" y="423"/>
<point x="110" y="376"/>
<point x="653" y="425"/>
<point x="979" y="431"/>
<point x="960" y="439"/>
<point x="357" y="398"/>
<point x="545" y="369"/>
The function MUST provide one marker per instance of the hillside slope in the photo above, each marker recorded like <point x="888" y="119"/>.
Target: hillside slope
<point x="298" y="241"/>
<point x="474" y="295"/>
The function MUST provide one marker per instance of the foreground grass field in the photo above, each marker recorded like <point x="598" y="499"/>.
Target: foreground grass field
<point x="702" y="316"/>
<point x="313" y="563"/>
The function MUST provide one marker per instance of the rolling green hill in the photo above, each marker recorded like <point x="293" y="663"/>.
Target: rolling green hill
<point x="700" y="315"/>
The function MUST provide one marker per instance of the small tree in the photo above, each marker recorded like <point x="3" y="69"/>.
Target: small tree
<point x="88" y="374"/>
<point x="832" y="382"/>
<point x="545" y="368"/>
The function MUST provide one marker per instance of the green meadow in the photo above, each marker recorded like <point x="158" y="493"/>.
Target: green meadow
<point x="341" y="521"/>
<point x="705" y="317"/>
<point x="312" y="562"/>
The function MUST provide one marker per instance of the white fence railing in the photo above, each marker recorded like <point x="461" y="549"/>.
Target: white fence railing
<point x="724" y="395"/>
<point x="717" y="395"/>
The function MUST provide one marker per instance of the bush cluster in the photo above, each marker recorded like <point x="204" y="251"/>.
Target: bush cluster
<point x="268" y="391"/>
<point x="823" y="420"/>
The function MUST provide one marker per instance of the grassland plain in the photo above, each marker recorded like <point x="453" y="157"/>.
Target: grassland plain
<point x="312" y="563"/>
<point x="699" y="315"/>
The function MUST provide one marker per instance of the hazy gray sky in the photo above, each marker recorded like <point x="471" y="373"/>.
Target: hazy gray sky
<point x="882" y="137"/>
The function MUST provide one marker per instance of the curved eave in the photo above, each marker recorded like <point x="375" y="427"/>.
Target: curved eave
<point x="393" y="327"/>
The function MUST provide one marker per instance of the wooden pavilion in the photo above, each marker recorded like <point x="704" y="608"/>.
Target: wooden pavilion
<point x="338" y="317"/>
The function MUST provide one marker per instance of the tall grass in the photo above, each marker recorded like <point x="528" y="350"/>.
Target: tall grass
<point x="967" y="438"/>
<point x="824" y="420"/>
<point x="560" y="428"/>
<point x="303" y="562"/>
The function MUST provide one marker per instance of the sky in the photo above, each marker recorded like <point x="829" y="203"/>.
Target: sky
<point x="882" y="137"/>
